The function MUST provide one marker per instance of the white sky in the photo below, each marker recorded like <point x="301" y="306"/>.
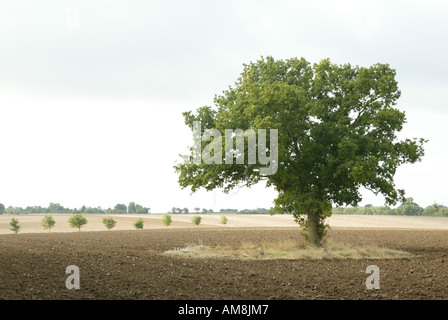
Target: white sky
<point x="92" y="115"/>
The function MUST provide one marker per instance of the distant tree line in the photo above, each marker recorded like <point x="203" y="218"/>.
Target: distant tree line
<point x="131" y="208"/>
<point x="228" y="210"/>
<point x="57" y="208"/>
<point x="255" y="211"/>
<point x="175" y="210"/>
<point x="247" y="211"/>
<point x="407" y="208"/>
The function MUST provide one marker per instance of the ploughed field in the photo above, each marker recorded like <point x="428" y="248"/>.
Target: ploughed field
<point x="132" y="264"/>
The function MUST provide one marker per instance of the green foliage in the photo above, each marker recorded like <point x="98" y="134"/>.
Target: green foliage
<point x="228" y="210"/>
<point x="56" y="208"/>
<point x="223" y="220"/>
<point x="255" y="211"/>
<point x="52" y="208"/>
<point x="120" y="208"/>
<point x="337" y="132"/>
<point x="85" y="209"/>
<point x="408" y="207"/>
<point x="93" y="210"/>
<point x="436" y="210"/>
<point x="132" y="208"/>
<point x="77" y="221"/>
<point x="442" y="212"/>
<point x="15" y="226"/>
<point x="141" y="209"/>
<point x="175" y="210"/>
<point x="109" y="223"/>
<point x="48" y="222"/>
<point x="196" y="220"/>
<point x="139" y="223"/>
<point x="166" y="220"/>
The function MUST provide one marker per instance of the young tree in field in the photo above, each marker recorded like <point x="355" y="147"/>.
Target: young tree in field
<point x="196" y="220"/>
<point x="166" y="220"/>
<point x="223" y="220"/>
<point x="109" y="223"/>
<point x="2" y="208"/>
<point x="15" y="226"/>
<point x="48" y="222"/>
<point x="77" y="221"/>
<point x="337" y="132"/>
<point x="139" y="223"/>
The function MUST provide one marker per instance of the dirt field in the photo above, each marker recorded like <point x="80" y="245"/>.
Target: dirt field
<point x="131" y="264"/>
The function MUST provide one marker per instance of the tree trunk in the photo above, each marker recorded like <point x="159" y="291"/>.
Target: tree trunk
<point x="313" y="229"/>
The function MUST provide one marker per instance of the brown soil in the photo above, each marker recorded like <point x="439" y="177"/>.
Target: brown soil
<point x="121" y="264"/>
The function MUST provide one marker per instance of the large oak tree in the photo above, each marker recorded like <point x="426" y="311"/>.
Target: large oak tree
<point x="337" y="132"/>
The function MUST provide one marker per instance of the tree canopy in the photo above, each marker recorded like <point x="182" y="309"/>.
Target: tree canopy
<point x="15" y="225"/>
<point x="337" y="132"/>
<point x="48" y="222"/>
<point x="77" y="221"/>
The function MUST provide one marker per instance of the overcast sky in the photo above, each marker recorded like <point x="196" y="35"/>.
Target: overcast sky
<point x="92" y="91"/>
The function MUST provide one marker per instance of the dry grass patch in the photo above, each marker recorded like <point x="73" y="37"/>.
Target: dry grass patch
<point x="289" y="249"/>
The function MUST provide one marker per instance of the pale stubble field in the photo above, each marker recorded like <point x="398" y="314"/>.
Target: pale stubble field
<point x="31" y="223"/>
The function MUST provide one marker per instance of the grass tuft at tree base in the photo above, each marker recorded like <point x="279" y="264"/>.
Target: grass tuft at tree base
<point x="290" y="249"/>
